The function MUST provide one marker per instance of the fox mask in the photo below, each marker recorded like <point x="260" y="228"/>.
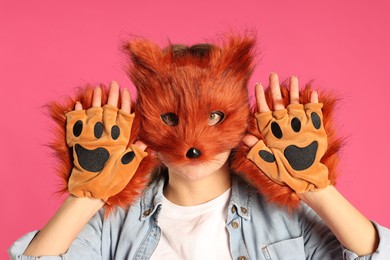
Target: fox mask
<point x="192" y="101"/>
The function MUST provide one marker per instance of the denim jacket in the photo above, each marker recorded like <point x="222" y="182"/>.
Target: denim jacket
<point x="257" y="230"/>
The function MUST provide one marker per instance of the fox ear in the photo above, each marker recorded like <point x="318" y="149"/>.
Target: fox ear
<point x="145" y="58"/>
<point x="237" y="57"/>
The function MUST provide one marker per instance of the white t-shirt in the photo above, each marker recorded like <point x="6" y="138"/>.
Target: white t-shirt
<point x="194" y="232"/>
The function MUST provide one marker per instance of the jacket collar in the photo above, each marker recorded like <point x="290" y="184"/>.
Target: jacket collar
<point x="240" y="203"/>
<point x="241" y="199"/>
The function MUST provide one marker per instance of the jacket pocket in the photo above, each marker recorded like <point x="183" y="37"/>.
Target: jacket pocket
<point x="286" y="249"/>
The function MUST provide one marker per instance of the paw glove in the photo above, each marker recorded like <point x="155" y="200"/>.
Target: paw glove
<point x="295" y="141"/>
<point x="103" y="165"/>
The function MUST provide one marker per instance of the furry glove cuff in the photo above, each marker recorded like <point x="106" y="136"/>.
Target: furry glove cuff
<point x="295" y="141"/>
<point x="103" y="165"/>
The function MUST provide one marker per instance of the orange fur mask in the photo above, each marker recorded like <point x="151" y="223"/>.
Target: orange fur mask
<point x="193" y="101"/>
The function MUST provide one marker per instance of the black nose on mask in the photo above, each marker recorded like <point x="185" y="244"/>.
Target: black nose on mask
<point x="193" y="153"/>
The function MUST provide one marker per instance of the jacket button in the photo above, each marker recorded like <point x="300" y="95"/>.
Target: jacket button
<point x="235" y="225"/>
<point x="234" y="209"/>
<point x="147" y="212"/>
<point x="242" y="258"/>
<point x="244" y="210"/>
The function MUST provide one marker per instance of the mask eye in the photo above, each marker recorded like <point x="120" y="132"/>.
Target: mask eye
<point x="216" y="117"/>
<point x="170" y="119"/>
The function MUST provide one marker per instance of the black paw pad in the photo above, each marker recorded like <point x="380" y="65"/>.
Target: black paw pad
<point x="276" y="130"/>
<point x="127" y="158"/>
<point x="78" y="128"/>
<point x="92" y="160"/>
<point x="267" y="156"/>
<point x="296" y="124"/>
<point x="315" y="118"/>
<point x="301" y="158"/>
<point x="115" y="132"/>
<point x="98" y="130"/>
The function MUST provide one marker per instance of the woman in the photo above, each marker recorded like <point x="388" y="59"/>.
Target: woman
<point x="198" y="209"/>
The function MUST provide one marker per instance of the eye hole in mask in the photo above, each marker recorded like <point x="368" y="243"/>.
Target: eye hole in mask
<point x="170" y="119"/>
<point x="216" y="117"/>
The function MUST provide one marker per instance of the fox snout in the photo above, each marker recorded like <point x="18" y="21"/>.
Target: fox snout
<point x="193" y="153"/>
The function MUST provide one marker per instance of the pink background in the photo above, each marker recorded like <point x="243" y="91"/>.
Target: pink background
<point x="50" y="47"/>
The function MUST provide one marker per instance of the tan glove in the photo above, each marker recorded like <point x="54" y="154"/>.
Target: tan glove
<point x="295" y="141"/>
<point x="103" y="165"/>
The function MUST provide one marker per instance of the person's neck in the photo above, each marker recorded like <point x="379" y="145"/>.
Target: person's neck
<point x="183" y="192"/>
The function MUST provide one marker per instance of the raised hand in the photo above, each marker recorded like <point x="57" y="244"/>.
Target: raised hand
<point x="103" y="165"/>
<point x="294" y="139"/>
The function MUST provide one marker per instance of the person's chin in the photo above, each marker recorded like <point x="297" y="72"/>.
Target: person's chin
<point x="195" y="172"/>
<point x="192" y="171"/>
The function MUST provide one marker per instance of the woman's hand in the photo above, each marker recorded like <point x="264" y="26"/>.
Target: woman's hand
<point x="294" y="139"/>
<point x="103" y="165"/>
<point x="351" y="228"/>
<point x="58" y="234"/>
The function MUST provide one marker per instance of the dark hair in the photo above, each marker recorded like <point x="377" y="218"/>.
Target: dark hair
<point x="197" y="50"/>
